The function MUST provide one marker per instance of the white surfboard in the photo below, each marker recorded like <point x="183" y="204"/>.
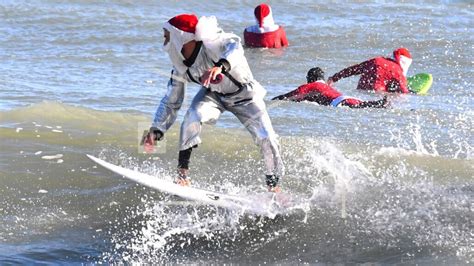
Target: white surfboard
<point x="260" y="204"/>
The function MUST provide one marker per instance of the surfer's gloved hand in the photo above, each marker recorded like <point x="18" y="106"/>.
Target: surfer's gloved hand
<point x="280" y="97"/>
<point x="149" y="138"/>
<point x="155" y="134"/>
<point x="330" y="82"/>
<point x="385" y="102"/>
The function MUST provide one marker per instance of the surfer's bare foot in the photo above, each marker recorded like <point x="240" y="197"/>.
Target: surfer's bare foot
<point x="182" y="178"/>
<point x="183" y="182"/>
<point x="276" y="189"/>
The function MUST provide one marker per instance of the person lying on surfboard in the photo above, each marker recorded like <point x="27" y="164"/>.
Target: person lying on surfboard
<point x="380" y="73"/>
<point x="316" y="90"/>
<point x="201" y="52"/>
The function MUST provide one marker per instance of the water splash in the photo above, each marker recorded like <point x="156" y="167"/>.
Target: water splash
<point x="349" y="203"/>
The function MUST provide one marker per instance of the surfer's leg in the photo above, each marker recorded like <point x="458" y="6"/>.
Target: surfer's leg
<point x="183" y="167"/>
<point x="205" y="108"/>
<point x="382" y="103"/>
<point x="255" y="118"/>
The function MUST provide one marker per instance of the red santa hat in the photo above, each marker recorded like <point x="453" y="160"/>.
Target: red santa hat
<point x="263" y="13"/>
<point x="182" y="28"/>
<point x="403" y="57"/>
<point x="401" y="52"/>
<point x="185" y="22"/>
<point x="187" y="27"/>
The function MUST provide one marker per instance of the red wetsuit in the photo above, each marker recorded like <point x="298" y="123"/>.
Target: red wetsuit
<point x="318" y="92"/>
<point x="272" y="39"/>
<point x="324" y="94"/>
<point x="378" y="74"/>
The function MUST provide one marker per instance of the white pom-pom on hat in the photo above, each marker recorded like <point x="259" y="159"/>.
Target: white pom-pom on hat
<point x="207" y="29"/>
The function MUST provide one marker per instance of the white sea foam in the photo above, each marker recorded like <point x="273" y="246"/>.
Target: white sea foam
<point x="396" y="151"/>
<point x="52" y="157"/>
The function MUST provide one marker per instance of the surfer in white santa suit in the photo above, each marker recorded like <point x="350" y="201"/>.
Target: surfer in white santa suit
<point x="266" y="33"/>
<point x="201" y="52"/>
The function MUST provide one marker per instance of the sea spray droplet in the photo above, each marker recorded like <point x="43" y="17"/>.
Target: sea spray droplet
<point x="52" y="157"/>
<point x="42" y="191"/>
<point x="57" y="131"/>
<point x="38" y="152"/>
<point x="19" y="129"/>
<point x="60" y="161"/>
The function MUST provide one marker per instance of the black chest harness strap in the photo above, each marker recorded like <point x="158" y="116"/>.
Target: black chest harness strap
<point x="229" y="76"/>
<point x="190" y="61"/>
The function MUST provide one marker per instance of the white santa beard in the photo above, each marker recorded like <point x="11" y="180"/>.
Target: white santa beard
<point x="405" y="63"/>
<point x="268" y="24"/>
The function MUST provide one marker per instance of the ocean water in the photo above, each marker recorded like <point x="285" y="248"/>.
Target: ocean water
<point x="376" y="186"/>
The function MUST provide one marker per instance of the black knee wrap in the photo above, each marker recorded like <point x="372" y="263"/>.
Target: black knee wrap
<point x="183" y="158"/>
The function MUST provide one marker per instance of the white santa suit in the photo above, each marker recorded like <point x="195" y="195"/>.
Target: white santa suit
<point x="237" y="92"/>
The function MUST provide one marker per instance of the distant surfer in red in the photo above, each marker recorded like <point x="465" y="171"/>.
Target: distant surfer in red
<point x="266" y="33"/>
<point x="380" y="73"/>
<point x="316" y="90"/>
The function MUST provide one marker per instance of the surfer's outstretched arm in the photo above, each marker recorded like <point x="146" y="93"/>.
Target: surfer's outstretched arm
<point x="166" y="113"/>
<point x="286" y="96"/>
<point x="347" y="72"/>
<point x="296" y="95"/>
